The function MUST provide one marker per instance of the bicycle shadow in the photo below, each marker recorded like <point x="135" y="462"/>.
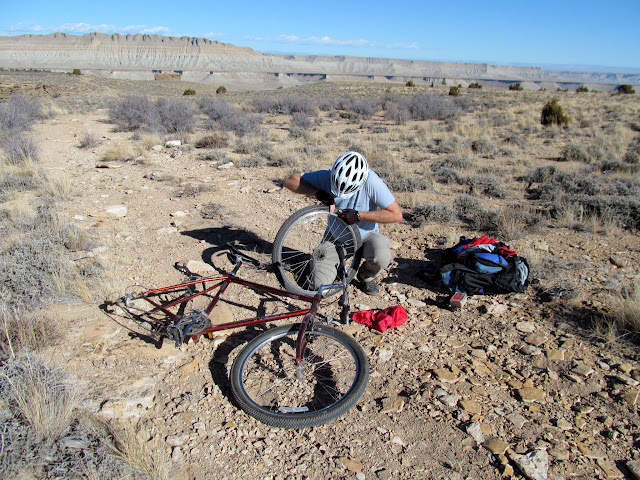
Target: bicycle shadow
<point x="218" y="237"/>
<point x="222" y="358"/>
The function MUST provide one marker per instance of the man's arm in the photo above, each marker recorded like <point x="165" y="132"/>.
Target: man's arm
<point x="296" y="184"/>
<point x="391" y="214"/>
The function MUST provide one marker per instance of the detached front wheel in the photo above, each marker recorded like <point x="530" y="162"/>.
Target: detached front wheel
<point x="305" y="250"/>
<point x="270" y="386"/>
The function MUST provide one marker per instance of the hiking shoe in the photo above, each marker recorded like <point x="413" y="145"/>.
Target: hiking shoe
<point x="370" y="287"/>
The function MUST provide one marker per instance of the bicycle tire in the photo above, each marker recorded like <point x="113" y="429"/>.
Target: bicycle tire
<point x="296" y="240"/>
<point x="267" y="385"/>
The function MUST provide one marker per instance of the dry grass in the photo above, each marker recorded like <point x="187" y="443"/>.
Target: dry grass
<point x="42" y="395"/>
<point x="119" y="151"/>
<point x="149" y="456"/>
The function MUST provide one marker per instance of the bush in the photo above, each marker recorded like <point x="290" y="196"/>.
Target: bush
<point x="454" y="91"/>
<point x="221" y="89"/>
<point x="438" y="212"/>
<point x="214" y="140"/>
<point x="189" y="91"/>
<point x="475" y="85"/>
<point x="581" y="89"/>
<point x="76" y="71"/>
<point x="19" y="113"/>
<point x="176" y="115"/>
<point x="486" y="184"/>
<point x="301" y="121"/>
<point x="574" y="153"/>
<point x="215" y="109"/>
<point x="553" y="114"/>
<point x="241" y="124"/>
<point x="626" y="90"/>
<point x="516" y="87"/>
<point x="133" y="112"/>
<point x="19" y="148"/>
<point x="89" y="140"/>
<point x="410" y="84"/>
<point x="432" y="107"/>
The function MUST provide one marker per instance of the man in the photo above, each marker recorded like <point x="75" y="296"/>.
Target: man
<point x="360" y="196"/>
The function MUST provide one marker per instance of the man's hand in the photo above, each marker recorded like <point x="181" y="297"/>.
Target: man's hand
<point x="349" y="216"/>
<point x="324" y="197"/>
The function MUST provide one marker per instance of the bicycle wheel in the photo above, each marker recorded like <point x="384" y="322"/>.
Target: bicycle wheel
<point x="269" y="386"/>
<point x="300" y="237"/>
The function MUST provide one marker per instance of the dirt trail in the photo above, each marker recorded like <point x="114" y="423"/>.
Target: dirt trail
<point x="507" y="367"/>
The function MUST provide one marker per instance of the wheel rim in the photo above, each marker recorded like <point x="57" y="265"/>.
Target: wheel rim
<point x="303" y="238"/>
<point x="273" y="382"/>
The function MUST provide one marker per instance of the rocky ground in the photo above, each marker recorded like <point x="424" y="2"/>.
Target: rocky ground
<point x="506" y="386"/>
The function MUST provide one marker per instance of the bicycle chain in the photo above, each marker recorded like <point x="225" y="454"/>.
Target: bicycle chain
<point x="190" y="324"/>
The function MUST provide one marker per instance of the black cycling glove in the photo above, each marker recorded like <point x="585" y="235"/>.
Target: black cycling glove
<point x="324" y="198"/>
<point x="349" y="216"/>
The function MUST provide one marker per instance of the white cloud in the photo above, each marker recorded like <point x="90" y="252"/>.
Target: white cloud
<point x="213" y="35"/>
<point x="413" y="45"/>
<point x="82" y="27"/>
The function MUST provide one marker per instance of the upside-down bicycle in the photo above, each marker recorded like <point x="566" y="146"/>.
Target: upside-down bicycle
<point x="292" y="376"/>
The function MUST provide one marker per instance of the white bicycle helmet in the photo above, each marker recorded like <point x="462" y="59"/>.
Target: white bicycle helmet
<point x="348" y="174"/>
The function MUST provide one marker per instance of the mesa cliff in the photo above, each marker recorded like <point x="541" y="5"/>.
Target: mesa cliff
<point x="201" y="60"/>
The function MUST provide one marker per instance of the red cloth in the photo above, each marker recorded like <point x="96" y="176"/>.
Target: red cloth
<point x="380" y="320"/>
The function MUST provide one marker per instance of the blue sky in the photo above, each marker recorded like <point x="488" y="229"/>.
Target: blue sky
<point x="542" y="33"/>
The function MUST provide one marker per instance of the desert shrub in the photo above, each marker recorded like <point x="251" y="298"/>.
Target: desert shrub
<point x="542" y="175"/>
<point x="19" y="148"/>
<point x="189" y="91"/>
<point x="427" y="212"/>
<point x="486" y="184"/>
<point x="253" y="147"/>
<point x="255" y="161"/>
<point x="470" y="210"/>
<point x="89" y="139"/>
<point x="515" y="86"/>
<point x="213" y="156"/>
<point x="610" y="165"/>
<point x="432" y="107"/>
<point x="475" y="85"/>
<point x="410" y="83"/>
<point x="213" y="140"/>
<point x="39" y="415"/>
<point x="286" y="105"/>
<point x="573" y="153"/>
<point x="626" y="209"/>
<point x="301" y="121"/>
<point x="215" y="109"/>
<point x="241" y="124"/>
<point x="404" y="182"/>
<point x="398" y="114"/>
<point x="454" y="91"/>
<point x="39" y="394"/>
<point x="442" y="145"/>
<point x="363" y="108"/>
<point x="76" y="71"/>
<point x="33" y="266"/>
<point x="582" y="89"/>
<point x="20" y="112"/>
<point x="482" y="146"/>
<point x="447" y="176"/>
<point x="133" y="112"/>
<point x="297" y="104"/>
<point x="515" y="221"/>
<point x="221" y="89"/>
<point x="626" y="89"/>
<point x="176" y="115"/>
<point x="553" y="114"/>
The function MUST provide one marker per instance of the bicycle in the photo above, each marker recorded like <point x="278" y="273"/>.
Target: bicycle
<point x="293" y="376"/>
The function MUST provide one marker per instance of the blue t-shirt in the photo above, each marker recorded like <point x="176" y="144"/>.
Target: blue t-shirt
<point x="374" y="195"/>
